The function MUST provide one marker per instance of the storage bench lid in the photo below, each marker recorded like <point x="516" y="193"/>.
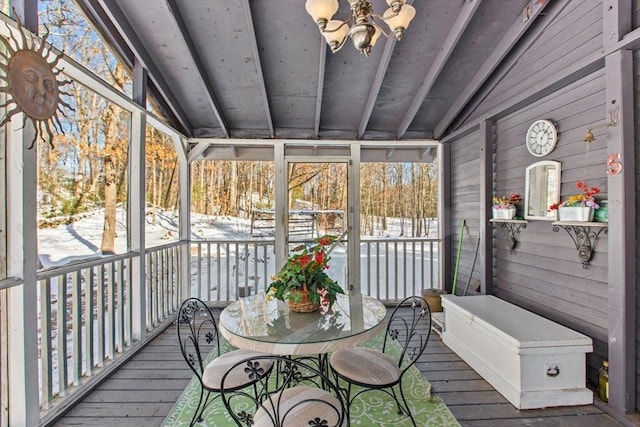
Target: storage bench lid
<point x="520" y="327"/>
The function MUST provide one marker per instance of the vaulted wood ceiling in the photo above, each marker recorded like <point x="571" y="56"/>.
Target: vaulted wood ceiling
<point x="260" y="68"/>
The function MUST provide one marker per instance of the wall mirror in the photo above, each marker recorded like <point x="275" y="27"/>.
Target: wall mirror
<point x="542" y="189"/>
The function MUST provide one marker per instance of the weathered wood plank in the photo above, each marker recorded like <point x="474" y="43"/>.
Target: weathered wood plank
<point x="578" y="420"/>
<point x="472" y="397"/>
<point x="116" y="396"/>
<point x="143" y="392"/>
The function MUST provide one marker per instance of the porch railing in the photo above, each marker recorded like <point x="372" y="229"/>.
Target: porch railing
<point x="87" y="310"/>
<point x="391" y="269"/>
<point x="86" y="315"/>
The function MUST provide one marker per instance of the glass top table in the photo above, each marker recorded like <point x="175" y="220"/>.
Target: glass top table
<point x="252" y="323"/>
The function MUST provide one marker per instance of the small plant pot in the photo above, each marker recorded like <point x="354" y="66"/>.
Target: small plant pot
<point x="504" y="213"/>
<point x="575" y="213"/>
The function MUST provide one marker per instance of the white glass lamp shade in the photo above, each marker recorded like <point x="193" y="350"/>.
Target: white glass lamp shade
<point x="321" y="10"/>
<point x="400" y="22"/>
<point x="335" y="33"/>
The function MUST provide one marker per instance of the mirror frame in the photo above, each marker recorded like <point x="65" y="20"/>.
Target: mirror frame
<point x="528" y="194"/>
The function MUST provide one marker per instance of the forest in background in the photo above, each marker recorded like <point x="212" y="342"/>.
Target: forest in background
<point x="88" y="168"/>
<point x="387" y="190"/>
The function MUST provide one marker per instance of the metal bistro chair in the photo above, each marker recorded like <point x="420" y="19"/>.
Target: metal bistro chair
<point x="295" y="394"/>
<point x="198" y="336"/>
<point x="374" y="369"/>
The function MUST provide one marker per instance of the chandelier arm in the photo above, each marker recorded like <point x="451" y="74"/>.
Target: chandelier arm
<point x="378" y="26"/>
<point x="338" y="27"/>
<point x="342" y="43"/>
<point x="377" y="15"/>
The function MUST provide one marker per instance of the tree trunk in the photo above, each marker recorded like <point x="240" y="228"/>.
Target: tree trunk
<point x="110" y="191"/>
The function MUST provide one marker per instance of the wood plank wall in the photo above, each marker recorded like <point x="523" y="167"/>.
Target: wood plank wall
<point x="544" y="274"/>
<point x="465" y="196"/>
<point x="636" y="60"/>
<point x="573" y="35"/>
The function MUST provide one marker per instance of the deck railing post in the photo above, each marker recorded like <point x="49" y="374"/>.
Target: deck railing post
<point x="22" y="301"/>
<point x="137" y="205"/>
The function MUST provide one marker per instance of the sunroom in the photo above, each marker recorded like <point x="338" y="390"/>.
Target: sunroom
<point x="193" y="144"/>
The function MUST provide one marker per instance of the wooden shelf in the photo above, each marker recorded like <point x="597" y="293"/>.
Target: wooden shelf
<point x="515" y="221"/>
<point x="582" y="223"/>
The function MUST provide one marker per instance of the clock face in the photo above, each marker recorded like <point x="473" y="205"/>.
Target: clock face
<point x="541" y="137"/>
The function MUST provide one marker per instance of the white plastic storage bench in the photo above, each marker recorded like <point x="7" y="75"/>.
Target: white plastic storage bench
<point x="534" y="362"/>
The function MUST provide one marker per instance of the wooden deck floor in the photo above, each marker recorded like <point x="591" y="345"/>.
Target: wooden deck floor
<point x="144" y="390"/>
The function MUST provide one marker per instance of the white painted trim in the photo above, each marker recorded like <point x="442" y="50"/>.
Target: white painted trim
<point x="281" y="194"/>
<point x="22" y="306"/>
<point x="353" y="221"/>
<point x="136" y="215"/>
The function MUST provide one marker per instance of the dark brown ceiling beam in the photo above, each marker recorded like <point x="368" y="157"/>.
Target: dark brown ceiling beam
<point x="517" y="30"/>
<point x="183" y="31"/>
<point x="256" y="55"/>
<point x="119" y="20"/>
<point x="464" y="18"/>
<point x="322" y="62"/>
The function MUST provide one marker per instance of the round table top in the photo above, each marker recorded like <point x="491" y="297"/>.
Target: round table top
<point x="252" y="323"/>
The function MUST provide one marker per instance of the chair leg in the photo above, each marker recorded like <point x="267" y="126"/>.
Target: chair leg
<point x="197" y="411"/>
<point x="197" y="417"/>
<point x="406" y="405"/>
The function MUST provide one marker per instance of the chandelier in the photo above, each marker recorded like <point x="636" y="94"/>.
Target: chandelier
<point x="363" y="25"/>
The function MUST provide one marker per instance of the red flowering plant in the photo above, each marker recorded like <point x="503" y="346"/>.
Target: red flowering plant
<point x="584" y="199"/>
<point x="306" y="267"/>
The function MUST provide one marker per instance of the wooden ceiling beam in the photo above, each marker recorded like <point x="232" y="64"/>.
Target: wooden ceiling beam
<point x="464" y="18"/>
<point x="120" y="21"/>
<point x="506" y="66"/>
<point x="197" y="151"/>
<point x="183" y="31"/>
<point x="321" y="70"/>
<point x="517" y="30"/>
<point x="381" y="72"/>
<point x="97" y="17"/>
<point x="378" y="79"/>
<point x="256" y="56"/>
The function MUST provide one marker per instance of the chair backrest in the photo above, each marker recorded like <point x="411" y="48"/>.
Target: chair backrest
<point x="410" y="326"/>
<point x="294" y="393"/>
<point x="197" y="333"/>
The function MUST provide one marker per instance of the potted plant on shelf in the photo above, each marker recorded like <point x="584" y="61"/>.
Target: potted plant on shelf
<point x="578" y="207"/>
<point x="505" y="207"/>
<point x="303" y="281"/>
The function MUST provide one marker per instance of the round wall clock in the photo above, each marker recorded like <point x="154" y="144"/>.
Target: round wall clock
<point x="542" y="137"/>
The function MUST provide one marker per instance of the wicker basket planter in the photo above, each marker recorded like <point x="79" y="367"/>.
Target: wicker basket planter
<point x="299" y="301"/>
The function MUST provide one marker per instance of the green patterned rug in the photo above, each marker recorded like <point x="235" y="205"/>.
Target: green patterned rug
<point x="371" y="408"/>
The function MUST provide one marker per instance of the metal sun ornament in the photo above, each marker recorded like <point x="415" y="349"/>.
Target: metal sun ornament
<point x="32" y="84"/>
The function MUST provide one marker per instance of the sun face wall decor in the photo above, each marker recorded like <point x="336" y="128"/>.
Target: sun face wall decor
<point x="31" y="84"/>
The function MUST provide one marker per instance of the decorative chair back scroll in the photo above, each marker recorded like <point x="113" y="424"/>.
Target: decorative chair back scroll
<point x="295" y="394"/>
<point x="410" y="327"/>
<point x="32" y="83"/>
<point x="199" y="342"/>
